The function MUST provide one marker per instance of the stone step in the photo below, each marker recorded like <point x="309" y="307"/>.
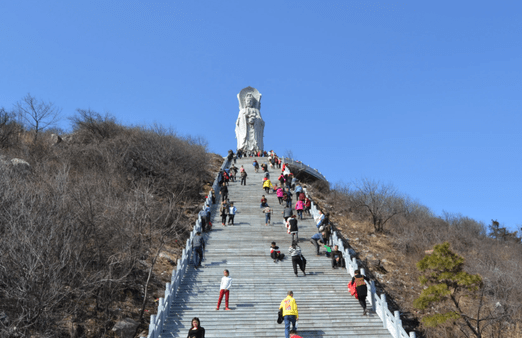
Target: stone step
<point x="326" y="308"/>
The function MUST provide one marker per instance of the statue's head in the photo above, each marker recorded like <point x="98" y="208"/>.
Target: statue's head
<point x="249" y="100"/>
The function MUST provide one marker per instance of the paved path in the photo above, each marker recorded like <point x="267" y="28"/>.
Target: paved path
<point x="326" y="309"/>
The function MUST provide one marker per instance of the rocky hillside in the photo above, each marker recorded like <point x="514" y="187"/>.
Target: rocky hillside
<point x="91" y="224"/>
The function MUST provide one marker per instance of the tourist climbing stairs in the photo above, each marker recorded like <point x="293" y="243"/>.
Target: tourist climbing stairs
<point x="326" y="308"/>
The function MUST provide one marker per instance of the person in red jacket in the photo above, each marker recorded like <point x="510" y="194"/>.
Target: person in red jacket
<point x="308" y="206"/>
<point x="293" y="334"/>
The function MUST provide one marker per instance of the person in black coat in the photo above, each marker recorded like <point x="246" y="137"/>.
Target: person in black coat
<point x="275" y="253"/>
<point x="337" y="258"/>
<point x="224" y="192"/>
<point x="293" y="228"/>
<point x="362" y="289"/>
<point x="196" y="331"/>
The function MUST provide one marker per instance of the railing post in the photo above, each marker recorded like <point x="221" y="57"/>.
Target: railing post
<point x="168" y="298"/>
<point x="174" y="286"/>
<point x="161" y="310"/>
<point x="372" y="295"/>
<point x="156" y="321"/>
<point x="398" y="324"/>
<point x="384" y="307"/>
<point x="152" y="325"/>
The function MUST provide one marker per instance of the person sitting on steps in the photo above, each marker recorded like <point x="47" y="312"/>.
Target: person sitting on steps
<point x="337" y="258"/>
<point x="275" y="254"/>
<point x="264" y="202"/>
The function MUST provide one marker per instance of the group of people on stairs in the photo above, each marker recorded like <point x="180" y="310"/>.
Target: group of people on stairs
<point x="287" y="183"/>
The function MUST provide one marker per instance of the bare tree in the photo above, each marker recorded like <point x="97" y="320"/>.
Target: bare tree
<point x="381" y="201"/>
<point x="37" y="114"/>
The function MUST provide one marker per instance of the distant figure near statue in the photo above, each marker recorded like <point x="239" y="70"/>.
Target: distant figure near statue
<point x="249" y="125"/>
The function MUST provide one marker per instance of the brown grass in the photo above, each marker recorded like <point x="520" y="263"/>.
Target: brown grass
<point x="404" y="242"/>
<point x="81" y="228"/>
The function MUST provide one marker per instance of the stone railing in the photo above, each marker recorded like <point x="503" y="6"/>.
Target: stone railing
<point x="300" y="166"/>
<point x="390" y="321"/>
<point x="156" y="321"/>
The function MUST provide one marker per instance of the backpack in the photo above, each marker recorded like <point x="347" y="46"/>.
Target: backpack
<point x="353" y="290"/>
<point x="224" y="210"/>
<point x="280" y="318"/>
<point x="304" y="260"/>
<point x="292" y="224"/>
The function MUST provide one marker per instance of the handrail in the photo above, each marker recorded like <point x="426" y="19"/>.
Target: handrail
<point x="379" y="305"/>
<point x="390" y="321"/>
<point x="171" y="289"/>
<point x="306" y="168"/>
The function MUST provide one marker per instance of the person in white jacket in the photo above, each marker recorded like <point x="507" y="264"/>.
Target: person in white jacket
<point x="226" y="282"/>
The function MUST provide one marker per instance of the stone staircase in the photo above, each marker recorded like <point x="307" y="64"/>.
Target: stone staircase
<point x="326" y="309"/>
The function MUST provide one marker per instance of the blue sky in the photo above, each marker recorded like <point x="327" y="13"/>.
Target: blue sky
<point x="425" y="95"/>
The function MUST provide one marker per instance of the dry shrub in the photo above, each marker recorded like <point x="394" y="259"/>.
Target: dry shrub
<point x="9" y="129"/>
<point x="416" y="229"/>
<point x="78" y="231"/>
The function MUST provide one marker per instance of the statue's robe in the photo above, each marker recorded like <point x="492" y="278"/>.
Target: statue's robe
<point x="249" y="136"/>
